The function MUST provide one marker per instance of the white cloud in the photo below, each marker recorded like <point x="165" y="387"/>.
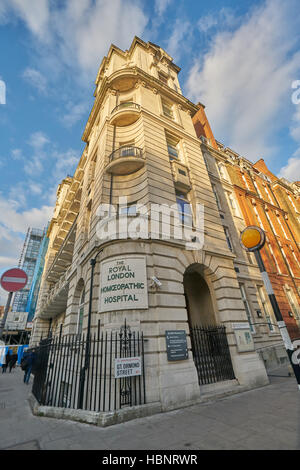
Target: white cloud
<point x="19" y="221"/>
<point x="35" y="188"/>
<point x="178" y="41"/>
<point x="74" y="114"/>
<point x="222" y="19"/>
<point x="16" y="154"/>
<point x="77" y="33"/>
<point x="36" y="79"/>
<point x="244" y="79"/>
<point x="292" y="170"/>
<point x="35" y="13"/>
<point x="160" y="6"/>
<point x="66" y="163"/>
<point x="38" y="140"/>
<point x="34" y="165"/>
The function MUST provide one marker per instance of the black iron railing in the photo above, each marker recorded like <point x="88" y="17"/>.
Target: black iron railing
<point x="126" y="151"/>
<point x="211" y="354"/>
<point x="126" y="105"/>
<point x="59" y="365"/>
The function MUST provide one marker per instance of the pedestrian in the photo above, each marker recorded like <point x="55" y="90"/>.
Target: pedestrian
<point x="6" y="361"/>
<point x="12" y="362"/>
<point x="29" y="360"/>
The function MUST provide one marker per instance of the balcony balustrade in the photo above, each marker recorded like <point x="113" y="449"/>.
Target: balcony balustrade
<point x="125" y="160"/>
<point x="125" y="114"/>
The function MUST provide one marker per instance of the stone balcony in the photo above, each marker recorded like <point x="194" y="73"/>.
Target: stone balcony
<point x="125" y="160"/>
<point x="125" y="114"/>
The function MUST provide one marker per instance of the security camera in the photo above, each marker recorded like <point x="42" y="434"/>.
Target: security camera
<point x="156" y="281"/>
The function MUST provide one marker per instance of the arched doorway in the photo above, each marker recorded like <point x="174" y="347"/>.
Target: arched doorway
<point x="198" y="297"/>
<point x="208" y="338"/>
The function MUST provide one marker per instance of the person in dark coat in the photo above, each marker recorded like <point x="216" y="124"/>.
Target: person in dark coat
<point x="12" y="362"/>
<point x="6" y="361"/>
<point x="29" y="363"/>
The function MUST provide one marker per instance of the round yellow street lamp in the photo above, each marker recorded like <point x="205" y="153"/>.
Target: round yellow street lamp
<point x="253" y="238"/>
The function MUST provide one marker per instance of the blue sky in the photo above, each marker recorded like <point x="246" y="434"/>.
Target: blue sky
<point x="238" y="58"/>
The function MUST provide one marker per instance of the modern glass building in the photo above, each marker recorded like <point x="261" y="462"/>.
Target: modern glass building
<point x="28" y="262"/>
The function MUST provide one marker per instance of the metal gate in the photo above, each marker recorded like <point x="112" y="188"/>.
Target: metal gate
<point x="74" y="372"/>
<point x="211" y="354"/>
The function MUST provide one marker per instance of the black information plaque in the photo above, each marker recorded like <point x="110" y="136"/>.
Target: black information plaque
<point x="176" y="345"/>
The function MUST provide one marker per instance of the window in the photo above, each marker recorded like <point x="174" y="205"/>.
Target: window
<point x="249" y="256"/>
<point x="287" y="262"/>
<point x="282" y="227"/>
<point x="126" y="149"/>
<point x="269" y="195"/>
<point x="172" y="151"/>
<point x="295" y="257"/>
<point x="167" y="109"/>
<point x="163" y="78"/>
<point x="274" y="258"/>
<point x="258" y="218"/>
<point x="292" y="301"/>
<point x="205" y="161"/>
<point x="217" y="197"/>
<point x="233" y="204"/>
<point x="173" y="148"/>
<point x="184" y="209"/>
<point x="228" y="239"/>
<point x="270" y="222"/>
<point x="246" y="182"/>
<point x="129" y="210"/>
<point x="247" y="308"/>
<point x="222" y="171"/>
<point x="293" y="204"/>
<point x="80" y="313"/>
<point x="257" y="189"/>
<point x="265" y="307"/>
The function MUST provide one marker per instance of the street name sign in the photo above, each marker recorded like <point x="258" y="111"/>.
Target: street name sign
<point x="128" y="367"/>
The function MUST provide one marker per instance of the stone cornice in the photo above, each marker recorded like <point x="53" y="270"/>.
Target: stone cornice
<point x="150" y="82"/>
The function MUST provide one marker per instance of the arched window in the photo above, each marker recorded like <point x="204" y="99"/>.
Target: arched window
<point x="80" y="313"/>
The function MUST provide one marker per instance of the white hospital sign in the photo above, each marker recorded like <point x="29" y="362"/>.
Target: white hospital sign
<point x="123" y="284"/>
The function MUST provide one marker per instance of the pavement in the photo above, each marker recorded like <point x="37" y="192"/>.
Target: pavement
<point x="266" y="418"/>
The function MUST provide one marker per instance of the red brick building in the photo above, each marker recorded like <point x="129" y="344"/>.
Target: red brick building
<point x="273" y="204"/>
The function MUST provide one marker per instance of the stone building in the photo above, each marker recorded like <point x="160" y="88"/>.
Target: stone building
<point x="142" y="159"/>
<point x="255" y="196"/>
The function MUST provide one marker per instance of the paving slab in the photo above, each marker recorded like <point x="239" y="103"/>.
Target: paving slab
<point x="265" y="418"/>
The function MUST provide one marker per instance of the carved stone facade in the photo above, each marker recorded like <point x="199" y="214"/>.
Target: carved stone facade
<point x="141" y="144"/>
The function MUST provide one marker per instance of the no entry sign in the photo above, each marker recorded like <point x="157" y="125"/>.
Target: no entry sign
<point x="14" y="280"/>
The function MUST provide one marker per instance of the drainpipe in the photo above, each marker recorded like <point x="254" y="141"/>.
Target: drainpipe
<point x="114" y="145"/>
<point x="88" y="334"/>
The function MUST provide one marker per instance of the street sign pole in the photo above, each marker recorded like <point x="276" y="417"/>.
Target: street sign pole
<point x="280" y="322"/>
<point x="253" y="239"/>
<point x="12" y="280"/>
<point x="3" y="321"/>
